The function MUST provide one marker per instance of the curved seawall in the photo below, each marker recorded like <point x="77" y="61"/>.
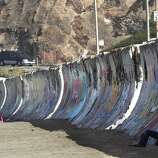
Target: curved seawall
<point x="118" y="90"/>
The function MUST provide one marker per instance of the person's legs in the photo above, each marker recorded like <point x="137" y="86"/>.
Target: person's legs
<point x="144" y="139"/>
<point x="153" y="134"/>
<point x="145" y="136"/>
<point x="156" y="142"/>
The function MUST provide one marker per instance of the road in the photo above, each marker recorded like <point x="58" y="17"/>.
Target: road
<point x="58" y="139"/>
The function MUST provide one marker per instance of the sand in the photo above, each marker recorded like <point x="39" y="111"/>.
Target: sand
<point x="58" y="139"/>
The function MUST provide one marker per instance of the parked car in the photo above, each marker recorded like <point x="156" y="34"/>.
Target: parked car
<point x="15" y="58"/>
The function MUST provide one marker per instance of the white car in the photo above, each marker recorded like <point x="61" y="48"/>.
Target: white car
<point x="28" y="62"/>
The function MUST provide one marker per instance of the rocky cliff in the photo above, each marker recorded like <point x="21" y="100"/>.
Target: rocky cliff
<point x="61" y="30"/>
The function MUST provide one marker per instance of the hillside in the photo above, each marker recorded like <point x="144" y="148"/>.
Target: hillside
<point x="62" y="30"/>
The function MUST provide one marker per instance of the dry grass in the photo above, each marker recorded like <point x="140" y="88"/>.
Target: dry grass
<point x="11" y="71"/>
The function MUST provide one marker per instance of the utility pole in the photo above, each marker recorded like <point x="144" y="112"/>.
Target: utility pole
<point x="156" y="2"/>
<point x="147" y="19"/>
<point x="96" y="26"/>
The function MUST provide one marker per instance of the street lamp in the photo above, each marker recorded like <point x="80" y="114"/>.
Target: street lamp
<point x="96" y="26"/>
<point x="147" y="19"/>
<point x="156" y="2"/>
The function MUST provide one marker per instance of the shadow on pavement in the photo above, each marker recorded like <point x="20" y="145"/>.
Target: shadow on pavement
<point x="108" y="142"/>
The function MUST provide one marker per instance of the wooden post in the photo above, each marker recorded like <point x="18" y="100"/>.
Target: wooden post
<point x="37" y="62"/>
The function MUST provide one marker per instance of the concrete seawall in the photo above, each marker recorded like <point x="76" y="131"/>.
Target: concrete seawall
<point x="118" y="90"/>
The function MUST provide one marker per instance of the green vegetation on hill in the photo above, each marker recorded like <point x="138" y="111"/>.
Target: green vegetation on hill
<point x="138" y="37"/>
